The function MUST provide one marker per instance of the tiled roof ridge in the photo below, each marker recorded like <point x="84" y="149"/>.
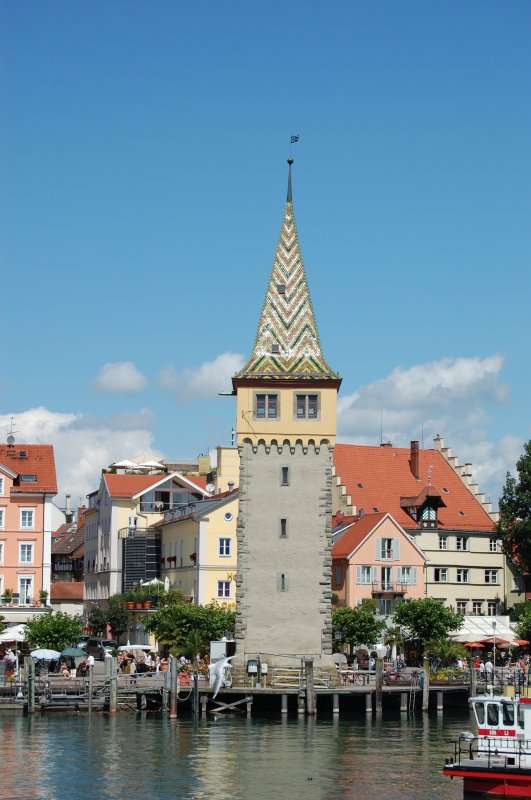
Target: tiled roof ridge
<point x="287" y="343"/>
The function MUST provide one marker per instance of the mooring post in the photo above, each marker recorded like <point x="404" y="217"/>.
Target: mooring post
<point x="300" y="702"/>
<point x="379" y="685"/>
<point x="173" y="687"/>
<point x="440" y="700"/>
<point x="311" y="699"/>
<point x="113" y="693"/>
<point x="335" y="704"/>
<point x="283" y="704"/>
<point x="426" y="684"/>
<point x="473" y="676"/>
<point x="249" y="705"/>
<point x="195" y="698"/>
<point x="403" y="702"/>
<point x="204" y="701"/>
<point x="31" y="684"/>
<point x="90" y="688"/>
<point x="368" y="703"/>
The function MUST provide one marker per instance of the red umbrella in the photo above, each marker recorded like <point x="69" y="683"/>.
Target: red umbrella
<point x="495" y="640"/>
<point x="521" y="642"/>
<point x="474" y="644"/>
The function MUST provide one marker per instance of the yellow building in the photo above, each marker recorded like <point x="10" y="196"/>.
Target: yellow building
<point x="198" y="550"/>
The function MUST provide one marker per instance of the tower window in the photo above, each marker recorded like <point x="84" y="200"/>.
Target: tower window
<point x="284" y="476"/>
<point x="283" y="528"/>
<point x="266" y="406"/>
<point x="281" y="287"/>
<point x="307" y="406"/>
<point x="282" y="582"/>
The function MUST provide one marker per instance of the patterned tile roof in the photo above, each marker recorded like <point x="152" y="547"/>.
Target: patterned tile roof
<point x="378" y="478"/>
<point x="287" y="345"/>
<point x="66" y="590"/>
<point x="31" y="460"/>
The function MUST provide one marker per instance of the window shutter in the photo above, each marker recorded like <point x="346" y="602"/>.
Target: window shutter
<point x="396" y="549"/>
<point x="378" y="549"/>
<point x="358" y="575"/>
<point x="399" y="574"/>
<point x="374" y="578"/>
<point x="413" y="576"/>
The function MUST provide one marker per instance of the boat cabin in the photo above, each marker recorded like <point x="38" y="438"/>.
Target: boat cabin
<point x="503" y="716"/>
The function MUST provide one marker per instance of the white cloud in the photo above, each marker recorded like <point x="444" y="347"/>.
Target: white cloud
<point x="207" y="380"/>
<point x="82" y="444"/>
<point x="120" y="377"/>
<point x="447" y="397"/>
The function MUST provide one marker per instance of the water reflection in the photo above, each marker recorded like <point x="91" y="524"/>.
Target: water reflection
<point x="62" y="756"/>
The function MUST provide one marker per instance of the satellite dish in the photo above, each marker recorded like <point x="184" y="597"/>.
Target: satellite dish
<point x="210" y="487"/>
<point x="11" y="440"/>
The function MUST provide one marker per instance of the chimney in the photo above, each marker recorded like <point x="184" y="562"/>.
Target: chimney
<point x="68" y="510"/>
<point x="414" y="460"/>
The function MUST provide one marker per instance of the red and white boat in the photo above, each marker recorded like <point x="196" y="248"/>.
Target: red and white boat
<point x="496" y="762"/>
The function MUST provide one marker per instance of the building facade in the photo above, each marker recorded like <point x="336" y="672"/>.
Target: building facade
<point x="436" y="503"/>
<point x="28" y="485"/>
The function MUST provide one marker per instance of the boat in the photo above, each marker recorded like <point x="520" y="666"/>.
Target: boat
<point x="497" y="761"/>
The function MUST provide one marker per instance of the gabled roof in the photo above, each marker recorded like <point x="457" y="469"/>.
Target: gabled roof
<point x="356" y="533"/>
<point x="68" y="543"/>
<point x="202" y="508"/>
<point x="133" y="486"/>
<point x="287" y="345"/>
<point x="378" y="477"/>
<point x="30" y="460"/>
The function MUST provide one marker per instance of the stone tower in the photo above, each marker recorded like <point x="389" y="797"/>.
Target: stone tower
<point x="286" y="427"/>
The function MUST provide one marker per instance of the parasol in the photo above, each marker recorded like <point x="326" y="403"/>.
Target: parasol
<point x="73" y="652"/>
<point x="521" y="642"/>
<point x="474" y="644"/>
<point x="495" y="640"/>
<point x="44" y="654"/>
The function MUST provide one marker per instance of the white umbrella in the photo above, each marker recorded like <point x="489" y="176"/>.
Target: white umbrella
<point x="151" y="465"/>
<point x="45" y="655"/>
<point x="15" y="634"/>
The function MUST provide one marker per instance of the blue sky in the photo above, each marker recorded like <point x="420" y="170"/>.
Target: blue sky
<point x="143" y="170"/>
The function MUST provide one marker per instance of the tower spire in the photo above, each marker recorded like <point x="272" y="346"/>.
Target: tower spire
<point x="287" y="344"/>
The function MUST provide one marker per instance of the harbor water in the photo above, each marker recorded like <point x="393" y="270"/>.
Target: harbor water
<point x="59" y="756"/>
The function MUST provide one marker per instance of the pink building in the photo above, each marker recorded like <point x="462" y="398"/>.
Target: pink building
<point x="27" y="485"/>
<point x="374" y="559"/>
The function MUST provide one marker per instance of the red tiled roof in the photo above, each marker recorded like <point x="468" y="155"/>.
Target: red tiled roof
<point x="355" y="534"/>
<point x="66" y="590"/>
<point x="385" y="476"/>
<point x="39" y="461"/>
<point x="129" y="485"/>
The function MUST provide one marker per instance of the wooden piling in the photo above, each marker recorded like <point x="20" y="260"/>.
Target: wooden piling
<point x="173" y="687"/>
<point x="311" y="697"/>
<point x="368" y="703"/>
<point x="403" y="702"/>
<point x="113" y="689"/>
<point x="284" y="704"/>
<point x="426" y="684"/>
<point x="440" y="704"/>
<point x="90" y="688"/>
<point x="335" y="704"/>
<point x="473" y="676"/>
<point x="30" y="664"/>
<point x="379" y="685"/>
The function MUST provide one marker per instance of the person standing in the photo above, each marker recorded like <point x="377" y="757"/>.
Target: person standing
<point x="489" y="669"/>
<point x="90" y="662"/>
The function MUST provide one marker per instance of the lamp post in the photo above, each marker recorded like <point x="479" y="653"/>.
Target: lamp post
<point x="494" y="664"/>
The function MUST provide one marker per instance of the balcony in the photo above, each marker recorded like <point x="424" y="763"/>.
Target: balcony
<point x="389" y="589"/>
<point x="135" y="531"/>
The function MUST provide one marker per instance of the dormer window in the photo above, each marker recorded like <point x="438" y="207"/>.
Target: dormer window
<point x="429" y="516"/>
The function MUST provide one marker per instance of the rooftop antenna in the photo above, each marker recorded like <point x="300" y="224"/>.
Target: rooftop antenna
<point x="422" y="435"/>
<point x="381" y="426"/>
<point x="10" y="435"/>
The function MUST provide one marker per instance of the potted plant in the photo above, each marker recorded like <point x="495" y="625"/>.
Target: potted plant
<point x="43" y="596"/>
<point x="7" y="596"/>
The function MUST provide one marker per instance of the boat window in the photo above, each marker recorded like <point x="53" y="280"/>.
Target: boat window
<point x="521" y="716"/>
<point x="508" y="714"/>
<point x="492" y="715"/>
<point x="479" y="708"/>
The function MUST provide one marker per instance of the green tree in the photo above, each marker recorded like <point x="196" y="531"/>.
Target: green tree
<point x="358" y="625"/>
<point x="514" y="524"/>
<point x="2" y="622"/>
<point x="446" y="650"/>
<point x="523" y="625"/>
<point x="97" y="620"/>
<point x="55" y="630"/>
<point x="426" y="619"/>
<point x="117" y="617"/>
<point x="174" y="624"/>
